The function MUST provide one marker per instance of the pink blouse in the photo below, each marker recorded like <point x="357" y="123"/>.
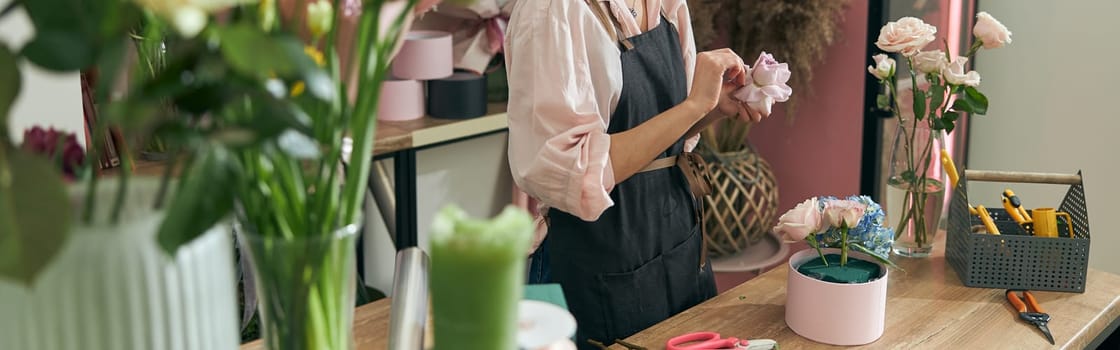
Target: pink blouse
<point x="565" y="82"/>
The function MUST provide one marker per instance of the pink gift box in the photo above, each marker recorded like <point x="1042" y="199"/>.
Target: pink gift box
<point x="401" y="100"/>
<point x="834" y="313"/>
<point x="425" y="55"/>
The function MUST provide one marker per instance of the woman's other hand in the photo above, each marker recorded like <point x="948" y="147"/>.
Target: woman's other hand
<point x="733" y="108"/>
<point x="715" y="71"/>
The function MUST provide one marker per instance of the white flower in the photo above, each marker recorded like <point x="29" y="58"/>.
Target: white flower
<point x="883" y="68"/>
<point x="320" y="15"/>
<point x="840" y="213"/>
<point x="188" y="16"/>
<point x="908" y="35"/>
<point x="954" y="73"/>
<point x="801" y="221"/>
<point x="930" y="61"/>
<point x="989" y="31"/>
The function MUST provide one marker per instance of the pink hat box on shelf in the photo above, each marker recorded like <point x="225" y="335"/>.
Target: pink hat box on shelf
<point x="425" y="55"/>
<point x="401" y="100"/>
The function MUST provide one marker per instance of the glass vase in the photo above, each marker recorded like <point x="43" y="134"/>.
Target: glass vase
<point x="915" y="189"/>
<point x="305" y="287"/>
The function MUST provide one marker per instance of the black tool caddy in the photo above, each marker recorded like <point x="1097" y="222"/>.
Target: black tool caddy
<point x="1014" y="259"/>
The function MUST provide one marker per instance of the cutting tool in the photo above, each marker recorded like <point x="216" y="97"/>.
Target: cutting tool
<point x="1034" y="315"/>
<point x="713" y="341"/>
<point x="1017" y="204"/>
<point x="1014" y="213"/>
<point x="986" y="218"/>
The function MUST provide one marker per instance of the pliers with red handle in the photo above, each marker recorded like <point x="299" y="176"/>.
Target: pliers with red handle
<point x="1033" y="316"/>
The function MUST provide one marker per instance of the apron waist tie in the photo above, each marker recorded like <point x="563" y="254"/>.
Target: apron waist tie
<point x="699" y="181"/>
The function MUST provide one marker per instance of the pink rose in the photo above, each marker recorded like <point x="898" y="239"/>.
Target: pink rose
<point x="989" y="31"/>
<point x="954" y="73"/>
<point x="801" y="221"/>
<point x="766" y="84"/>
<point x="908" y="36"/>
<point x="883" y="68"/>
<point x="837" y="213"/>
<point x="930" y="61"/>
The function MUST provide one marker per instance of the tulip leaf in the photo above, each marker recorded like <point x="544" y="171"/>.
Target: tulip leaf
<point x="10" y="81"/>
<point x="976" y="99"/>
<point x="60" y="51"/>
<point x="197" y="206"/>
<point x="34" y="214"/>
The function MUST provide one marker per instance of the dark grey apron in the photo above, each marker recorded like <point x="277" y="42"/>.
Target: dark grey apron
<point x="640" y="262"/>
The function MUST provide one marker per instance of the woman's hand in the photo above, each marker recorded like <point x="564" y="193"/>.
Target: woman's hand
<point x="715" y="71"/>
<point x="731" y="107"/>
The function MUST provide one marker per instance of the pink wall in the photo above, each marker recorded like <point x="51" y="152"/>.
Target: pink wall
<point x="817" y="152"/>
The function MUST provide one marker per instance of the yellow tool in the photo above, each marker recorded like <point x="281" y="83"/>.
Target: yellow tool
<point x="986" y="218"/>
<point x="1017" y="216"/>
<point x="950" y="168"/>
<point x="1017" y="204"/>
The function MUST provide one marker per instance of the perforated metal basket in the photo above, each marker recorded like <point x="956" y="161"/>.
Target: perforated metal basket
<point x="1013" y="259"/>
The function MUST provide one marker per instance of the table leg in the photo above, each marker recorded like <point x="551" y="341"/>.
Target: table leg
<point x="404" y="175"/>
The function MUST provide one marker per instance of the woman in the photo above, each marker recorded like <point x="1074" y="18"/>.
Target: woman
<point x="604" y="95"/>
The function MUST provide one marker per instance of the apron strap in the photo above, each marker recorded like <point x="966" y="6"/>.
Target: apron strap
<point x="609" y="23"/>
<point x="696" y="172"/>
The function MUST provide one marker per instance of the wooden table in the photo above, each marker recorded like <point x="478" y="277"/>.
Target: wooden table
<point x="927" y="308"/>
<point x="371" y="327"/>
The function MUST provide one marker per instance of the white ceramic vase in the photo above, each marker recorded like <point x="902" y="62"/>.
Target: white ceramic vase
<point x="113" y="288"/>
<point x="835" y="313"/>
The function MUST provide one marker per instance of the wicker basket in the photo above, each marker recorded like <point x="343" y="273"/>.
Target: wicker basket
<point x="743" y="204"/>
<point x="1014" y="259"/>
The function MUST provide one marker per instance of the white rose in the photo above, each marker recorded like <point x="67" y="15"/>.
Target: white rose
<point x="908" y="36"/>
<point x="989" y="31"/>
<point x="801" y="221"/>
<point x="930" y="61"/>
<point x="954" y="73"/>
<point x="188" y="16"/>
<point x="883" y="68"/>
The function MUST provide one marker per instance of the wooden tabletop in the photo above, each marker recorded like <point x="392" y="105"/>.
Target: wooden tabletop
<point x="371" y="327"/>
<point x="927" y="308"/>
<point x="395" y="136"/>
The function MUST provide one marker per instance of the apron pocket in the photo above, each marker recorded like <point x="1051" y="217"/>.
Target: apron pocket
<point x="686" y="283"/>
<point x="635" y="300"/>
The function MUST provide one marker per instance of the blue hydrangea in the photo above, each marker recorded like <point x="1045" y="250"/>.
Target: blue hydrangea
<point x="869" y="232"/>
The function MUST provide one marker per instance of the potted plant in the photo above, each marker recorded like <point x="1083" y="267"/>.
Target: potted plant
<point x="834" y="295"/>
<point x="82" y="252"/>
<point x="934" y="92"/>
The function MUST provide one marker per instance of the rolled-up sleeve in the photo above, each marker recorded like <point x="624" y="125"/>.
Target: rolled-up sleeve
<point x="564" y="79"/>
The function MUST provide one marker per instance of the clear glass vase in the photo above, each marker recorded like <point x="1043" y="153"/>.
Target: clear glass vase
<point x="305" y="287"/>
<point x="915" y="189"/>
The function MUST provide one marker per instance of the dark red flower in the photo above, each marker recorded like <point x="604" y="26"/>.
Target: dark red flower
<point x="48" y="142"/>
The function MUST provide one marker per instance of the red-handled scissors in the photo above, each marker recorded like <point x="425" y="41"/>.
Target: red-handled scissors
<point x="713" y="341"/>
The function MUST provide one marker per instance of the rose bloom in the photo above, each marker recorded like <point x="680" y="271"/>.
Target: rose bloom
<point x="907" y="36"/>
<point x="954" y="73"/>
<point x="883" y="68"/>
<point x="989" y="31"/>
<point x="188" y="17"/>
<point x="840" y="212"/>
<point x="766" y="84"/>
<point x="801" y="221"/>
<point x="930" y="61"/>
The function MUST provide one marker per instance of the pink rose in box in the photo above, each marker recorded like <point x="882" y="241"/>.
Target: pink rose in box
<point x="801" y="221"/>
<point x="766" y="84"/>
<point x="840" y="212"/>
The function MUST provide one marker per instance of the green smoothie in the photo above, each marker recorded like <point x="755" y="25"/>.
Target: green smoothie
<point x="477" y="277"/>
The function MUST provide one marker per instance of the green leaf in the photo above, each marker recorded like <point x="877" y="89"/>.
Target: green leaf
<point x="949" y="121"/>
<point x="919" y="104"/>
<point x="60" y="51"/>
<point x="883" y="102"/>
<point x="254" y="53"/>
<point x="960" y="105"/>
<point x="10" y="81"/>
<point x="883" y="259"/>
<point x="936" y="98"/>
<point x="198" y="204"/>
<point x="34" y="214"/>
<point x="977" y="100"/>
